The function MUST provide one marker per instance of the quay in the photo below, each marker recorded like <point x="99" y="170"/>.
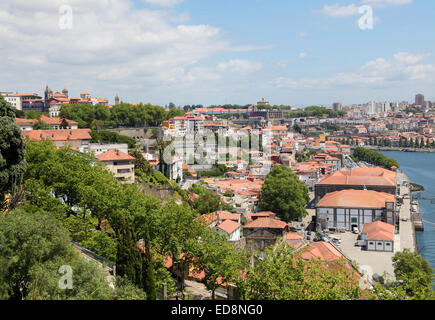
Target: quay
<point x="409" y="222"/>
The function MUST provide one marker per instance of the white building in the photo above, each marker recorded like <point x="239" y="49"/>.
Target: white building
<point x="354" y="208"/>
<point x="379" y="236"/>
<point x="99" y="148"/>
<point x="231" y="229"/>
<point x="13" y="99"/>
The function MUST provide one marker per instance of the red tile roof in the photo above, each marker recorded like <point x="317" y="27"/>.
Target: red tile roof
<point x="58" y="135"/>
<point x="321" y="250"/>
<point x="268" y="223"/>
<point x="361" y="176"/>
<point x="379" y="230"/>
<point x="114" y="155"/>
<point x="356" y="199"/>
<point x="229" y="226"/>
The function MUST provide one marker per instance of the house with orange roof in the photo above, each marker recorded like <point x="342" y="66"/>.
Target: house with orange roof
<point x="379" y="236"/>
<point x="75" y="138"/>
<point x="263" y="232"/>
<point x="120" y="164"/>
<point x="377" y="179"/>
<point x="231" y="229"/>
<point x="295" y="240"/>
<point x="347" y="209"/>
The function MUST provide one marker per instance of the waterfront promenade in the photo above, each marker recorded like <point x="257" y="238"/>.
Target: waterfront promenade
<point x="406" y="228"/>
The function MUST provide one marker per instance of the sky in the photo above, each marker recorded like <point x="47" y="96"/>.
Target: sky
<point x="212" y="52"/>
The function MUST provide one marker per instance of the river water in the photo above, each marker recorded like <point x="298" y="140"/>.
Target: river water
<point x="420" y="168"/>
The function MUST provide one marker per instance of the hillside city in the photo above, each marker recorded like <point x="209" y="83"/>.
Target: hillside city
<point x="229" y="202"/>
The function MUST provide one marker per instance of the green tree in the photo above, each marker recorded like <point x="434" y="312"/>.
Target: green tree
<point x="219" y="261"/>
<point x="32" y="248"/>
<point x="415" y="273"/>
<point x="178" y="238"/>
<point x="284" y="194"/>
<point x="41" y="125"/>
<point x="284" y="275"/>
<point x="12" y="152"/>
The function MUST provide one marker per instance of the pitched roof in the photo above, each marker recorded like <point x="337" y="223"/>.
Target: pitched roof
<point x="379" y="230"/>
<point x="361" y="176"/>
<point x="58" y="135"/>
<point x="268" y="223"/>
<point x="225" y="215"/>
<point x="356" y="199"/>
<point x="229" y="226"/>
<point x="321" y="250"/>
<point x="22" y="122"/>
<point x="55" y="121"/>
<point x="114" y="155"/>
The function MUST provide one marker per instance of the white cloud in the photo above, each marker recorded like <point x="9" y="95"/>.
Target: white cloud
<point x="337" y="10"/>
<point x="239" y="66"/>
<point x="164" y="3"/>
<point x="402" y="68"/>
<point x="112" y="45"/>
<point x="385" y="3"/>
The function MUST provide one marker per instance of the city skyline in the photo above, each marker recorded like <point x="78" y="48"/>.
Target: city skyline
<point x="205" y="52"/>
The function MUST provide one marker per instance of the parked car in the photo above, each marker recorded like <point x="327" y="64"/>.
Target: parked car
<point x="355" y="230"/>
<point x="405" y="219"/>
<point x="336" y="240"/>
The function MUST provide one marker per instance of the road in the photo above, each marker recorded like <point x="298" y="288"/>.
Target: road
<point x="406" y="228"/>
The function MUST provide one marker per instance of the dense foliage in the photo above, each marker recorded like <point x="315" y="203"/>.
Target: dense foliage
<point x="374" y="157"/>
<point x="121" y="115"/>
<point x="208" y="201"/>
<point x="285" y="275"/>
<point x="318" y="112"/>
<point x="284" y="194"/>
<point x="105" y="136"/>
<point x="12" y="151"/>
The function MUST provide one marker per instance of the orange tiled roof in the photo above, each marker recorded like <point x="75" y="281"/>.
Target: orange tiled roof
<point x="321" y="250"/>
<point x="21" y="122"/>
<point x="114" y="155"/>
<point x="58" y="135"/>
<point x="361" y="176"/>
<point x="356" y="199"/>
<point x="266" y="223"/>
<point x="229" y="226"/>
<point x="379" y="230"/>
<point x="56" y="121"/>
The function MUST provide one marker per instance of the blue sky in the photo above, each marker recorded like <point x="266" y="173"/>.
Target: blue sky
<point x="215" y="52"/>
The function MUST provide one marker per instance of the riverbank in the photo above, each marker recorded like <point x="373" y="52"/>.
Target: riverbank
<point x="420" y="169"/>
<point x="376" y="148"/>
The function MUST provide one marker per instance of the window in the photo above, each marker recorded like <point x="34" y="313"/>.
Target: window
<point x="371" y="243"/>
<point x="354" y="220"/>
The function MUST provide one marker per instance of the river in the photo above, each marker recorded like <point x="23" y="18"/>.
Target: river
<point x="420" y="168"/>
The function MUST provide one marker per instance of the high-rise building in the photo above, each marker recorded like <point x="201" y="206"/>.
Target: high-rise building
<point x="372" y="108"/>
<point x="337" y="106"/>
<point x="419" y="100"/>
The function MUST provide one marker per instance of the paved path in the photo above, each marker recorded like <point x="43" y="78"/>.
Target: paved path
<point x="406" y="228"/>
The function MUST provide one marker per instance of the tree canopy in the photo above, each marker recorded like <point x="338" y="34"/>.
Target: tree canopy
<point x="374" y="157"/>
<point x="121" y="115"/>
<point x="12" y="151"/>
<point x="284" y="194"/>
